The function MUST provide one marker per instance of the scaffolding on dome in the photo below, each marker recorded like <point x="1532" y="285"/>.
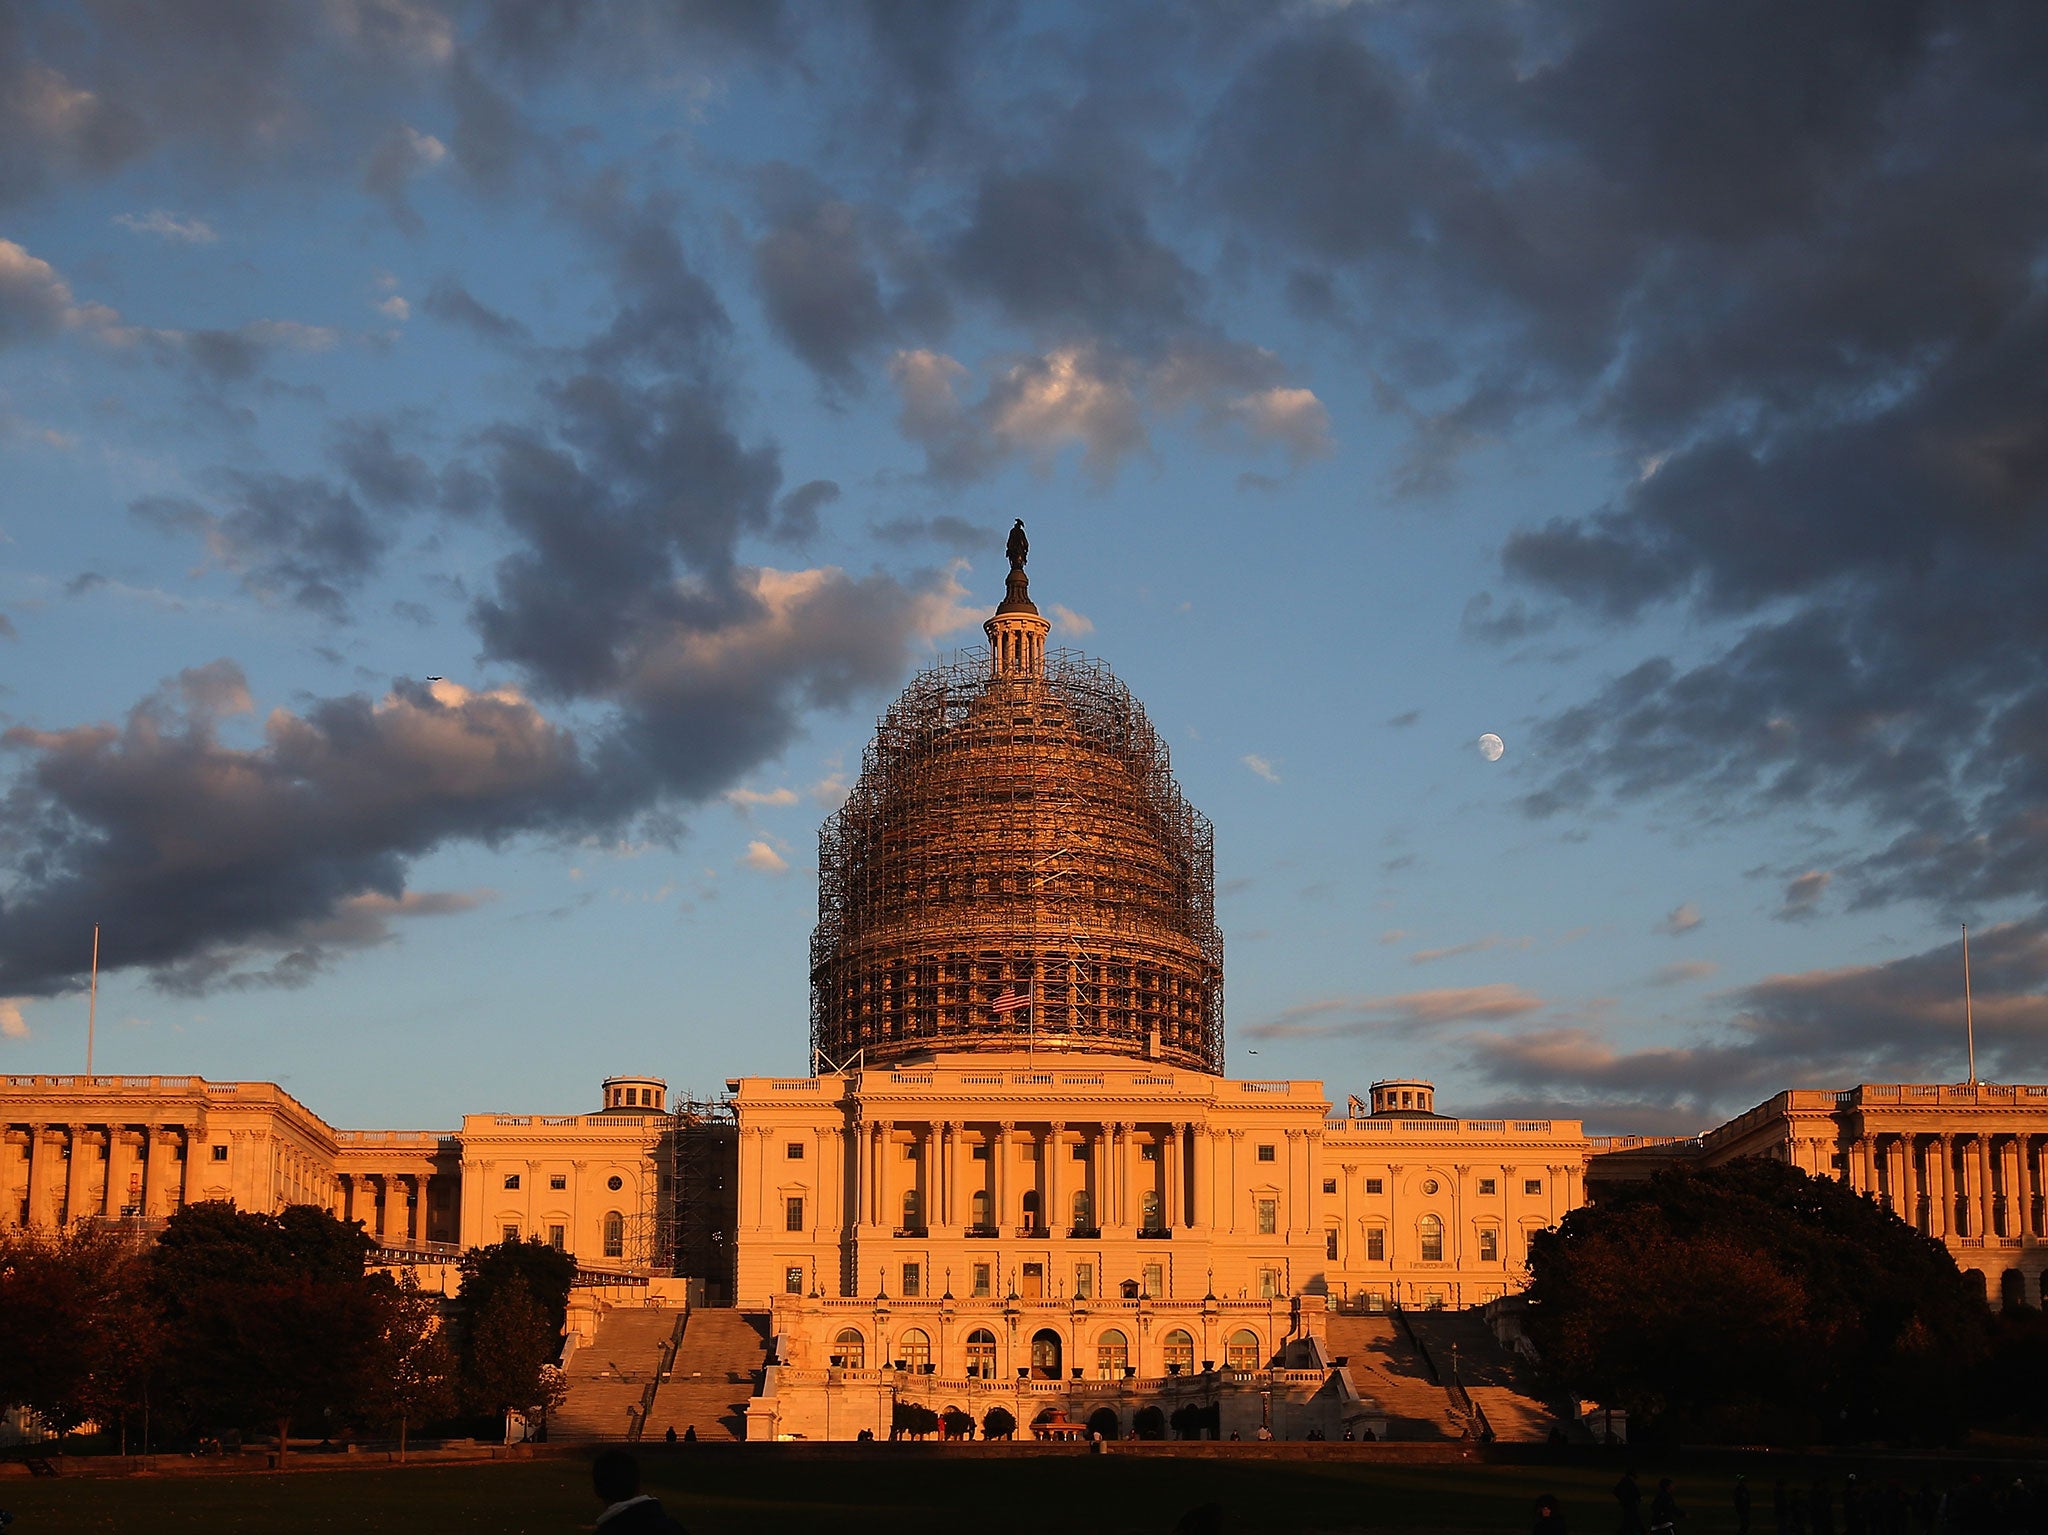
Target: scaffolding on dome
<point x="702" y="1166"/>
<point x="1017" y="834"/>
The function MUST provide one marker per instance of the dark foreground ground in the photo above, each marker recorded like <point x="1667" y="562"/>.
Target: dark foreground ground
<point x="907" y="1490"/>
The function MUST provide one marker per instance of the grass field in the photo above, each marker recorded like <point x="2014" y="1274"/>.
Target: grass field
<point x="903" y="1490"/>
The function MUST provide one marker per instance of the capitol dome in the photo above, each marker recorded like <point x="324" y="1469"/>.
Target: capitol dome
<point x="1016" y="869"/>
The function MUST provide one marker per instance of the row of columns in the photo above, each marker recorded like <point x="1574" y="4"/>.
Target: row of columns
<point x="391" y="1206"/>
<point x="1993" y="1188"/>
<point x="51" y="1198"/>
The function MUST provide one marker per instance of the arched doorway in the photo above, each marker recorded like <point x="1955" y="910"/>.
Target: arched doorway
<point x="1031" y="1221"/>
<point x="981" y="1354"/>
<point x="1178" y="1352"/>
<point x="849" y="1351"/>
<point x="1105" y="1422"/>
<point x="1242" y="1351"/>
<point x="1112" y="1355"/>
<point x="2012" y="1289"/>
<point x="1045" y="1355"/>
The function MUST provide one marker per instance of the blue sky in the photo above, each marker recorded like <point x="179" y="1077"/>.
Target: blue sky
<point x="1657" y="388"/>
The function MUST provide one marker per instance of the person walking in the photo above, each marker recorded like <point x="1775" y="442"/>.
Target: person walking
<point x="1630" y="1497"/>
<point x="1664" y="1510"/>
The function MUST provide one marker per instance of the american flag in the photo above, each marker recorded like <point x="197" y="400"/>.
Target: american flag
<point x="1010" y="1001"/>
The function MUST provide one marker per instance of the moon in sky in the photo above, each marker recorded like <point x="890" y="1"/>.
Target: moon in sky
<point x="1491" y="746"/>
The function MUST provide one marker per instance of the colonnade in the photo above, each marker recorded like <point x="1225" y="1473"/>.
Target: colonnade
<point x="80" y="1170"/>
<point x="393" y="1207"/>
<point x="1967" y="1185"/>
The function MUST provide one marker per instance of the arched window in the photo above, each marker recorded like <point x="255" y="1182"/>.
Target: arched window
<point x="1084" y="1210"/>
<point x="1242" y="1351"/>
<point x="614" y="1234"/>
<point x="1031" y="1209"/>
<point x="1148" y="1205"/>
<point x="849" y="1352"/>
<point x="981" y="1208"/>
<point x="1112" y="1354"/>
<point x="1179" y="1352"/>
<point x="914" y="1349"/>
<point x="1045" y="1355"/>
<point x="1431" y="1228"/>
<point x="981" y="1354"/>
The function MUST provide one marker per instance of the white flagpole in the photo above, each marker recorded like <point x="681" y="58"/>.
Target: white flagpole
<point x="92" y="1006"/>
<point x="1969" y="1012"/>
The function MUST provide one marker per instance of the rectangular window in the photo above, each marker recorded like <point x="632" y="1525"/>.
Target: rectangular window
<point x="981" y="1281"/>
<point x="793" y="1213"/>
<point x="511" y="1180"/>
<point x="1376" y="1245"/>
<point x="1265" y="1153"/>
<point x="1329" y="1185"/>
<point x="558" y="1180"/>
<point x="1375" y="1186"/>
<point x="1155" y="1279"/>
<point x="511" y="1232"/>
<point x="1488" y="1186"/>
<point x="558" y="1239"/>
<point x="980" y="1153"/>
<point x="1532" y="1185"/>
<point x="1084" y="1281"/>
<point x="1080" y="1153"/>
<point x="793" y="1280"/>
<point x="1330" y="1244"/>
<point x="911" y="1276"/>
<point x="794" y="1151"/>
<point x="1269" y="1217"/>
<point x="1148" y="1153"/>
<point x="220" y="1153"/>
<point x="1269" y="1283"/>
<point x="1489" y="1246"/>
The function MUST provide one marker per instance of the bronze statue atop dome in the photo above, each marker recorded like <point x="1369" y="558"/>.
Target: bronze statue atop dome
<point x="1019" y="547"/>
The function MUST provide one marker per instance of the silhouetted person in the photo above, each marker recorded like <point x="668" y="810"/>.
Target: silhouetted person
<point x="690" y="1433"/>
<point x="1549" y="1516"/>
<point x="615" y="1477"/>
<point x="670" y="1436"/>
<point x="1741" y="1504"/>
<point x="1664" y="1510"/>
<point x="1630" y="1497"/>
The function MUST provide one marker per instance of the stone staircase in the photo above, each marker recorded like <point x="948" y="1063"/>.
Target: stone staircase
<point x="1461" y="1340"/>
<point x="609" y="1376"/>
<point x="716" y="1371"/>
<point x="1384" y="1365"/>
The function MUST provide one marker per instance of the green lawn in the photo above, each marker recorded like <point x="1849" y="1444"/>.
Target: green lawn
<point x="902" y="1490"/>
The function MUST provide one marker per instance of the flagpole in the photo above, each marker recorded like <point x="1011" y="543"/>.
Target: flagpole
<point x="92" y="1006"/>
<point x="1969" y="1012"/>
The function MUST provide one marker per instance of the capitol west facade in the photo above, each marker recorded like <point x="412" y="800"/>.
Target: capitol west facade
<point x="1015" y="1174"/>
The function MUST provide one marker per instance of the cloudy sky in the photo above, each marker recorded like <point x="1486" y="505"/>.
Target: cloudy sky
<point x="470" y="476"/>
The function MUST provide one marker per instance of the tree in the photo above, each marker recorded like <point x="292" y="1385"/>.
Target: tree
<point x="268" y="1318"/>
<point x="1150" y="1423"/>
<point x="1754" y="1302"/>
<point x="544" y="1270"/>
<point x="78" y="1326"/>
<point x="508" y="1345"/>
<point x="998" y="1423"/>
<point x="411" y="1377"/>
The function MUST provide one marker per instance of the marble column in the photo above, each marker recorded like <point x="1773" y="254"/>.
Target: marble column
<point x="1001" y="1216"/>
<point x="1982" y="1219"/>
<point x="1201" y="1148"/>
<point x="38" y="1174"/>
<point x="1057" y="1217"/>
<point x="1941" y="1194"/>
<point x="78" y="1175"/>
<point x="1171" y="1199"/>
<point x="1909" y="1181"/>
<point x="953" y="1217"/>
<point x="2030" y="1187"/>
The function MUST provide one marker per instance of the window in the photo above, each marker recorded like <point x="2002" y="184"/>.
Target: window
<point x="615" y="1183"/>
<point x="1155" y="1279"/>
<point x="1375" y="1185"/>
<point x="1431" y="1228"/>
<point x="1329" y="1185"/>
<point x="849" y="1351"/>
<point x="558" y="1239"/>
<point x="913" y="1215"/>
<point x="1242" y="1351"/>
<point x="1148" y="1153"/>
<point x="1489" y="1245"/>
<point x="1532" y="1185"/>
<point x="1112" y="1355"/>
<point x="510" y="1231"/>
<point x="1269" y="1283"/>
<point x="980" y="1153"/>
<point x="981" y="1208"/>
<point x="793" y="1213"/>
<point x="1429" y="1185"/>
<point x="1084" y="1281"/>
<point x="981" y="1280"/>
<point x="1148" y="1207"/>
<point x="1266" y="1153"/>
<point x="911" y="1277"/>
<point x="981" y="1354"/>
<point x="614" y="1234"/>
<point x="511" y="1180"/>
<point x="1269" y="1217"/>
<point x="220" y="1154"/>
<point x="793" y="1280"/>
<point x="1178" y="1351"/>
<point x="914" y="1349"/>
<point x="1376" y="1245"/>
<point x="794" y="1151"/>
<point x="1330" y="1244"/>
<point x="1084" y="1209"/>
<point x="558" y="1180"/>
<point x="1488" y="1186"/>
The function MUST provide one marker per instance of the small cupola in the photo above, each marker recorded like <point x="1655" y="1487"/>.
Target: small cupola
<point x="641" y="1095"/>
